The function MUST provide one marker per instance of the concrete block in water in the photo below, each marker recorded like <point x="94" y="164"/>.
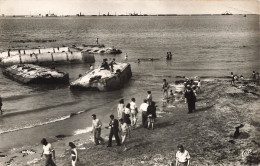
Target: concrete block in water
<point x="104" y="80"/>
<point x="49" y="58"/>
<point x="32" y="74"/>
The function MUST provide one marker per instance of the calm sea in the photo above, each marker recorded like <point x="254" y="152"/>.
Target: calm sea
<point x="201" y="46"/>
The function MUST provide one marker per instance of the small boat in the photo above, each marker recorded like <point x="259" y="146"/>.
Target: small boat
<point x="101" y="79"/>
<point x="32" y="74"/>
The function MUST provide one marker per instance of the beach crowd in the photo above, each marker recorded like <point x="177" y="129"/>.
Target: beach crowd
<point x="125" y="123"/>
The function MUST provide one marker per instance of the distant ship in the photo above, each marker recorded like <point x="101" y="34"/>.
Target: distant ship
<point x="227" y="13"/>
<point x="51" y="15"/>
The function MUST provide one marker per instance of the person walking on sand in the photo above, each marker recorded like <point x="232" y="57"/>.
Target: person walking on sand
<point x="151" y="112"/>
<point x="133" y="112"/>
<point x="96" y="129"/>
<point x="114" y="129"/>
<point x="74" y="153"/>
<point x="165" y="88"/>
<point x="48" y="152"/>
<point x="190" y="98"/>
<point x="149" y="97"/>
<point x="182" y="157"/>
<point x="120" y="109"/>
<point x="143" y="108"/>
<point x="124" y="132"/>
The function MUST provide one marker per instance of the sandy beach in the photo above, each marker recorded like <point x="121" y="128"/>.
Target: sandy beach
<point x="207" y="133"/>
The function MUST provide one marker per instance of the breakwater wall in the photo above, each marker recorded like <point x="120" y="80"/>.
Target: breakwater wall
<point x="45" y="57"/>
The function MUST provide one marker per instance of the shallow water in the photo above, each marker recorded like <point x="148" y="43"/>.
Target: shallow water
<point x="201" y="46"/>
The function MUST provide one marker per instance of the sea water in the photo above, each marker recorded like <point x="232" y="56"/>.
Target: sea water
<point x="201" y="46"/>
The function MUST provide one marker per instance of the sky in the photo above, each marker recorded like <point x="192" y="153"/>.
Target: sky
<point x="94" y="7"/>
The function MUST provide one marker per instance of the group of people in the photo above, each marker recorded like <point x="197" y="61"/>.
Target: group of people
<point x="191" y="88"/>
<point x="121" y="127"/>
<point x="169" y="56"/>
<point x="108" y="66"/>
<point x="255" y="77"/>
<point x="49" y="153"/>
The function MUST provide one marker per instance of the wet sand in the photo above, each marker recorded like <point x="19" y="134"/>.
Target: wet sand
<point x="207" y="133"/>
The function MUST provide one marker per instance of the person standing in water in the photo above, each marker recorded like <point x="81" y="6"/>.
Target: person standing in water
<point x="97" y="40"/>
<point x="126" y="57"/>
<point x="165" y="88"/>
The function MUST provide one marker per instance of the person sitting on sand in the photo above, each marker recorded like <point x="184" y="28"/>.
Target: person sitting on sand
<point x="48" y="152"/>
<point x="96" y="129"/>
<point x="105" y="64"/>
<point x="182" y="157"/>
<point x="149" y="97"/>
<point x="124" y="130"/>
<point x="120" y="109"/>
<point x="151" y="114"/>
<point x="74" y="153"/>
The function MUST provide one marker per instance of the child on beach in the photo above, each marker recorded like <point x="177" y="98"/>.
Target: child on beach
<point x="74" y="154"/>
